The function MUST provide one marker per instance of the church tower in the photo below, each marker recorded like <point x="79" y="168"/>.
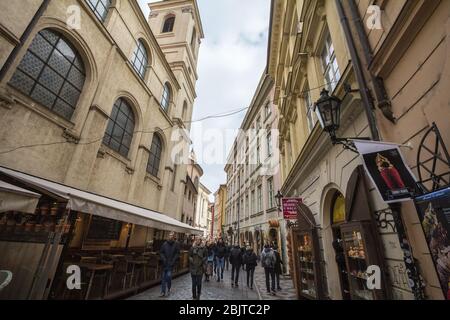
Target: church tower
<point x="178" y="29"/>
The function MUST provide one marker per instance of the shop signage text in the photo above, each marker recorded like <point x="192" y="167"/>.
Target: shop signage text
<point x="290" y="207"/>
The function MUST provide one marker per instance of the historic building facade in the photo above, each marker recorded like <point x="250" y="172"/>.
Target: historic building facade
<point x="202" y="211"/>
<point x="219" y="211"/>
<point x="253" y="176"/>
<point x="100" y="105"/>
<point x="342" y="217"/>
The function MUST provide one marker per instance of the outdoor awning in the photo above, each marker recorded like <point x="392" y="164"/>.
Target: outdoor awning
<point x="94" y="204"/>
<point x="13" y="198"/>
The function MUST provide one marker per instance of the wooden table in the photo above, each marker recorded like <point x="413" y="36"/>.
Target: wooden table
<point x="92" y="267"/>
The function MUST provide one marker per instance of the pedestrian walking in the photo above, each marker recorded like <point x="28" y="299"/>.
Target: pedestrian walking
<point x="236" y="263"/>
<point x="220" y="259"/>
<point x="268" y="261"/>
<point x="209" y="261"/>
<point x="197" y="262"/>
<point x="169" y="255"/>
<point x="251" y="261"/>
<point x="227" y="256"/>
<point x="278" y="267"/>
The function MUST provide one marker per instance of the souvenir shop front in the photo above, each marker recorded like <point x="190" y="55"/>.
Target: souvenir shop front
<point x="353" y="244"/>
<point x="49" y="232"/>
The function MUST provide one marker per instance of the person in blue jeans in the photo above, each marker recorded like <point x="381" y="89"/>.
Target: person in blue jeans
<point x="169" y="255"/>
<point x="220" y="253"/>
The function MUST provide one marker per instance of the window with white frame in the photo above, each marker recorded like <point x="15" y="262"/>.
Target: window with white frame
<point x="269" y="144"/>
<point x="310" y="117"/>
<point x="259" y="198"/>
<point x="270" y="192"/>
<point x="258" y="152"/>
<point x="329" y="64"/>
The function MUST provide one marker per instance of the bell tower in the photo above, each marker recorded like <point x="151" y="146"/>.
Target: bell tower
<point x="178" y="29"/>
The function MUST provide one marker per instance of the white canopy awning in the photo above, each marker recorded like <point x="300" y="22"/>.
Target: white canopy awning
<point x="13" y="198"/>
<point x="90" y="203"/>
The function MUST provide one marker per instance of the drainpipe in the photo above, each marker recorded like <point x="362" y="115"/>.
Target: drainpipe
<point x="363" y="89"/>
<point x="23" y="38"/>
<point x="383" y="101"/>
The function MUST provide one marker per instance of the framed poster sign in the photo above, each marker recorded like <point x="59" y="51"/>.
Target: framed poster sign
<point x="290" y="207"/>
<point x="434" y="215"/>
<point x="388" y="171"/>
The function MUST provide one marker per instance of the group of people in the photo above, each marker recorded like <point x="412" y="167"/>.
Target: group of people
<point x="212" y="258"/>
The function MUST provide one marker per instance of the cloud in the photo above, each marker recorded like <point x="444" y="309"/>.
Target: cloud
<point x="231" y="60"/>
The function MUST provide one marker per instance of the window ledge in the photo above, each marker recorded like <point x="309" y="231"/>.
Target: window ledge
<point x="104" y="149"/>
<point x="154" y="179"/>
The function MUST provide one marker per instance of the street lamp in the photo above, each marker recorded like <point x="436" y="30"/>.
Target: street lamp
<point x="328" y="111"/>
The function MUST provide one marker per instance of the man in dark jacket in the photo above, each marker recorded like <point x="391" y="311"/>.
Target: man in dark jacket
<point x="220" y="253"/>
<point x="197" y="260"/>
<point x="236" y="263"/>
<point x="227" y="256"/>
<point x="169" y="255"/>
<point x="278" y="267"/>
<point x="250" y="261"/>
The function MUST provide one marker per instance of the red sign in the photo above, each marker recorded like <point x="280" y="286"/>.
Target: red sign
<point x="290" y="207"/>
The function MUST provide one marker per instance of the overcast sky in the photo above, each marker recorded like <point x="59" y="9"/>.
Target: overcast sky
<point x="231" y="61"/>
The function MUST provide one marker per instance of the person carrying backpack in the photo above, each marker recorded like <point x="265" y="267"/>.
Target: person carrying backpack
<point x="209" y="261"/>
<point x="250" y="261"/>
<point x="268" y="261"/>
<point x="278" y="267"/>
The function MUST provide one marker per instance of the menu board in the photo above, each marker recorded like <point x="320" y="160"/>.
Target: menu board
<point x="104" y="229"/>
<point x="434" y="214"/>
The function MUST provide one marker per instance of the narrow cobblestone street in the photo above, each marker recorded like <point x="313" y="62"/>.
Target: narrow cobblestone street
<point x="213" y="290"/>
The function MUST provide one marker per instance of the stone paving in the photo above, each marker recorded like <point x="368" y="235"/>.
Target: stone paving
<point x="287" y="292"/>
<point x="213" y="290"/>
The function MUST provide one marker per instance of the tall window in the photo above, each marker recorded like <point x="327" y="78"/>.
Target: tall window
<point x="267" y="109"/>
<point x="253" y="202"/>
<point x="246" y="205"/>
<point x="184" y="112"/>
<point x="269" y="144"/>
<point x="174" y="177"/>
<point x="270" y="192"/>
<point x="193" y="39"/>
<point x="329" y="65"/>
<point x="154" y="160"/>
<point x="119" y="131"/>
<point x="51" y="73"/>
<point x="100" y="8"/>
<point x="165" y="101"/>
<point x="309" y="109"/>
<point x="258" y="152"/>
<point x="140" y="59"/>
<point x="259" y="198"/>
<point x="169" y="23"/>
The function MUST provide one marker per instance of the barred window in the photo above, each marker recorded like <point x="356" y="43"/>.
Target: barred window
<point x="140" y="59"/>
<point x="119" y="131"/>
<point x="165" y="101"/>
<point x="100" y="8"/>
<point x="154" y="160"/>
<point x="169" y="23"/>
<point x="51" y="73"/>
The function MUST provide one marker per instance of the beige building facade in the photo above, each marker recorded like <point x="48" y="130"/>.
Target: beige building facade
<point x="65" y="142"/>
<point x="310" y="50"/>
<point x="202" y="211"/>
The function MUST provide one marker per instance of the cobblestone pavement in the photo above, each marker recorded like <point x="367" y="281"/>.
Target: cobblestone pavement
<point x="287" y="292"/>
<point x="212" y="290"/>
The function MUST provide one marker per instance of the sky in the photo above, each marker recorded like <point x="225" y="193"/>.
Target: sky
<point x="232" y="59"/>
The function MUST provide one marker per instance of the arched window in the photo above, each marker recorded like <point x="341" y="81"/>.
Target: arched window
<point x="100" y="8"/>
<point x="169" y="23"/>
<point x="119" y="131"/>
<point x="154" y="160"/>
<point x="140" y="59"/>
<point x="51" y="73"/>
<point x="165" y="101"/>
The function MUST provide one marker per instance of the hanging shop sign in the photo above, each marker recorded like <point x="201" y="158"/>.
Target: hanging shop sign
<point x="434" y="214"/>
<point x="387" y="169"/>
<point x="290" y="207"/>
